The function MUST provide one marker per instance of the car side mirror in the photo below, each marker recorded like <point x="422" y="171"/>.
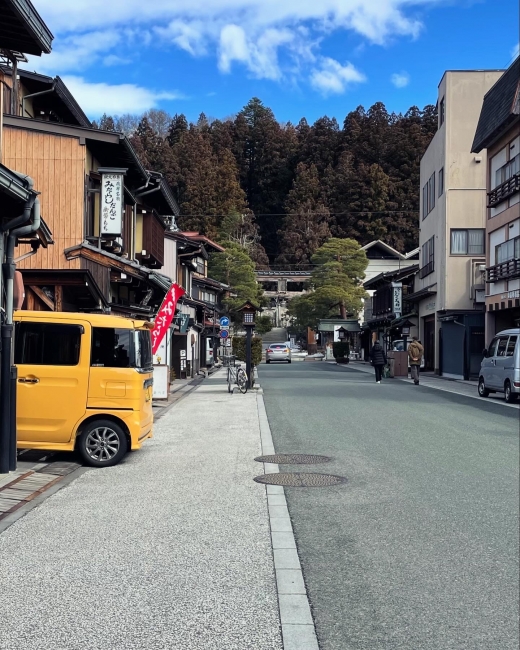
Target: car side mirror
<point x="485" y="353"/>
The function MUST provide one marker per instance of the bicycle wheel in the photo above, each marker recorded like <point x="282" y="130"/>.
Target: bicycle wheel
<point x="242" y="380"/>
<point x="229" y="380"/>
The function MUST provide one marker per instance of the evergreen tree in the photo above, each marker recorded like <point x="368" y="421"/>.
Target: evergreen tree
<point x="106" y="123"/>
<point x="235" y="268"/>
<point x="306" y="226"/>
<point x="336" y="279"/>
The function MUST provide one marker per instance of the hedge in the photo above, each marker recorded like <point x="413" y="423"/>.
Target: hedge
<point x="340" y="349"/>
<point x="239" y="349"/>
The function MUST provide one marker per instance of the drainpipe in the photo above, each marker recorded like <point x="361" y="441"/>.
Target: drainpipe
<point x="8" y="373"/>
<point x="42" y="92"/>
<point x="155" y="189"/>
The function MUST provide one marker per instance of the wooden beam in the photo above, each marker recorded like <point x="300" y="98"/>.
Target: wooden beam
<point x="58" y="297"/>
<point x="103" y="260"/>
<point x="46" y="300"/>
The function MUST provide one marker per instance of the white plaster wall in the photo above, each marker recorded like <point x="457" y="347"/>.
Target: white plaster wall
<point x="170" y="259"/>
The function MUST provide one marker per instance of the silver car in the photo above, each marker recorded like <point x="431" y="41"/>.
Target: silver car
<point x="500" y="367"/>
<point x="278" y="352"/>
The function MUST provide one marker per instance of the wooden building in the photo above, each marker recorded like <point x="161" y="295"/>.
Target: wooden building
<point x="87" y="269"/>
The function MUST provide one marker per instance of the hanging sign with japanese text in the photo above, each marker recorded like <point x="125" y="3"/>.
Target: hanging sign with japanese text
<point x="112" y="201"/>
<point x="397" y="299"/>
<point x="165" y="315"/>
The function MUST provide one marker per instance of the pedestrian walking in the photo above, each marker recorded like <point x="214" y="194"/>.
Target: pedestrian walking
<point x="415" y="355"/>
<point x="378" y="359"/>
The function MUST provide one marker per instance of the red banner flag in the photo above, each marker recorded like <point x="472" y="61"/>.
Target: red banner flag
<point x="165" y="315"/>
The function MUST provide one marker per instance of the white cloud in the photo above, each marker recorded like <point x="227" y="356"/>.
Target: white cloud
<point x="113" y="59"/>
<point x="332" y="78"/>
<point x="260" y="56"/>
<point x="77" y="51"/>
<point x="118" y="99"/>
<point x="188" y="35"/>
<point x="272" y="39"/>
<point x="400" y="79"/>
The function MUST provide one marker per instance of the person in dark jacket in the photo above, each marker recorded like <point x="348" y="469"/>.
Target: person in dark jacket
<point x="378" y="358"/>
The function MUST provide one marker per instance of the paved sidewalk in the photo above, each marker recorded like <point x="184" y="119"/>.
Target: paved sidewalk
<point x="169" y="550"/>
<point x="467" y="388"/>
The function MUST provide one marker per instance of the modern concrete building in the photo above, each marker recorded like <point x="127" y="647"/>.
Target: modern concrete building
<point x="498" y="131"/>
<point x="449" y="289"/>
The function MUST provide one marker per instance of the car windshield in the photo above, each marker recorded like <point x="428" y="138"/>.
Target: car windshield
<point x="278" y="346"/>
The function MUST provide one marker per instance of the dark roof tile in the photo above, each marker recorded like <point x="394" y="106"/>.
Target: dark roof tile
<point x="500" y="108"/>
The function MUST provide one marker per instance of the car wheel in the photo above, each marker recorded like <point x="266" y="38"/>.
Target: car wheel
<point x="482" y="390"/>
<point x="103" y="443"/>
<point x="288" y="360"/>
<point x="510" y="397"/>
<point x="267" y="361"/>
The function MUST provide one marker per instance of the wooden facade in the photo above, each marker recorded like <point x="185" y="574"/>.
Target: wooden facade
<point x="57" y="166"/>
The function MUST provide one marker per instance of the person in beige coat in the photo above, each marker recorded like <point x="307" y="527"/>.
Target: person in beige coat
<point x="415" y="355"/>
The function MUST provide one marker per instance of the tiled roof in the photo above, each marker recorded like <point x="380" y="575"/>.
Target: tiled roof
<point x="500" y="108"/>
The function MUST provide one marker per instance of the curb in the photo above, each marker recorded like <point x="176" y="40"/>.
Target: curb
<point x="298" y="631"/>
<point x="17" y="514"/>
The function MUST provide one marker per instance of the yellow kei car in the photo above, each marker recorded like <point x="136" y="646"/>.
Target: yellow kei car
<point x="84" y="382"/>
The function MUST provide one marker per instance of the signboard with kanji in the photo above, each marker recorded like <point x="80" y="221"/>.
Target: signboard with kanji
<point x="112" y="202"/>
<point x="165" y="315"/>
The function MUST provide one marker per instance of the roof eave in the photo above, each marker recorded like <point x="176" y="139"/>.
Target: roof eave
<point x="34" y="23"/>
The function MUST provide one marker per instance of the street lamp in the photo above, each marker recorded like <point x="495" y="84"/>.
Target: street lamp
<point x="405" y="331"/>
<point x="248" y="320"/>
<point x="342" y="333"/>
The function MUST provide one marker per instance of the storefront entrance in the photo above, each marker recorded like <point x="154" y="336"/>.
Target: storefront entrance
<point x="429" y="343"/>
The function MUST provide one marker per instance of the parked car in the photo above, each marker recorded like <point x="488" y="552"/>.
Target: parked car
<point x="278" y="352"/>
<point x="398" y="346"/>
<point x="500" y="367"/>
<point x="84" y="382"/>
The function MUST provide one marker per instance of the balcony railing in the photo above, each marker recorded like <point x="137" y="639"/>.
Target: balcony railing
<point x="426" y="270"/>
<point x="503" y="191"/>
<point x="504" y="271"/>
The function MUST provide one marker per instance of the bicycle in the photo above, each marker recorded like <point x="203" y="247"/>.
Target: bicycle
<point x="236" y="375"/>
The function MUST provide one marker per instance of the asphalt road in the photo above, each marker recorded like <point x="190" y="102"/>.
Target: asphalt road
<point x="419" y="550"/>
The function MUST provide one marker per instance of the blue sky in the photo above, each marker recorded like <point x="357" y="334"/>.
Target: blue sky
<point x="302" y="58"/>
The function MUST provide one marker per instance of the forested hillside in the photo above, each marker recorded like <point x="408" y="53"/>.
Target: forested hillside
<point x="296" y="185"/>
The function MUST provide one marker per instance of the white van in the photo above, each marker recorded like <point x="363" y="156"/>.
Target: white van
<point x="500" y="367"/>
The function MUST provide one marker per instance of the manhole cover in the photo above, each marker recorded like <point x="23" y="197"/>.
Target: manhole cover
<point x="301" y="479"/>
<point x="293" y="459"/>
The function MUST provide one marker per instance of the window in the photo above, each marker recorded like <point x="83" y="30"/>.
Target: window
<point x="199" y="266"/>
<point x="492" y="348"/>
<point x="429" y="196"/>
<point x="207" y="296"/>
<point x="427" y="258"/>
<point x="507" y="171"/>
<point x="502" y="346"/>
<point x="468" y="242"/>
<point x="441" y="181"/>
<point x="509" y="250"/>
<point x="143" y="350"/>
<point x="510" y="352"/>
<point x="47" y="344"/>
<point x="442" y="112"/>
<point x="112" y="348"/>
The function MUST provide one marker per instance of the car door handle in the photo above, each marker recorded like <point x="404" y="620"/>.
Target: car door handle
<point x="28" y="380"/>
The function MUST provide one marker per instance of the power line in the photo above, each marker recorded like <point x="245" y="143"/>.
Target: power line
<point x="298" y="214"/>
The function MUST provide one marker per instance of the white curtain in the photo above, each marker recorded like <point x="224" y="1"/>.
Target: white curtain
<point x="475" y="242"/>
<point x="459" y="242"/>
